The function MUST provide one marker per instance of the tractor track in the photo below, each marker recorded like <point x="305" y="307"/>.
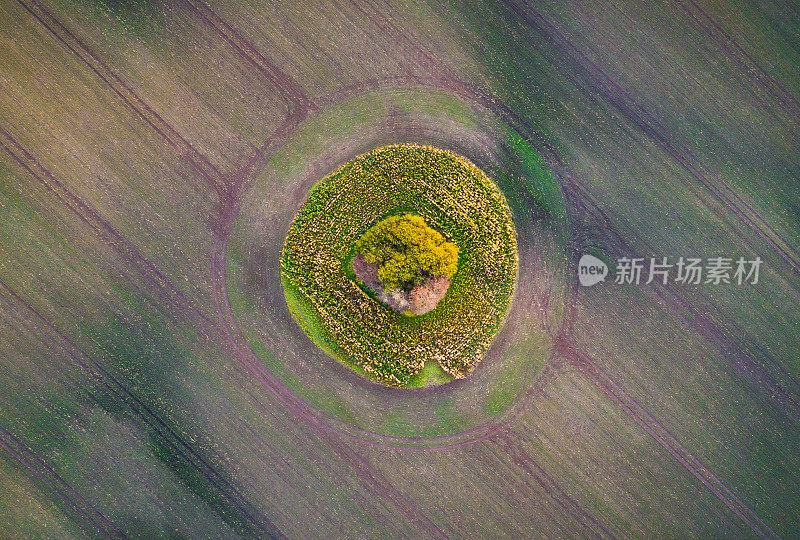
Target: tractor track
<point x="511" y="442"/>
<point x="18" y="450"/>
<point x="610" y="90"/>
<point x="96" y="372"/>
<point x="365" y="471"/>
<point x="332" y="437"/>
<point x="586" y="365"/>
<point x="107" y="234"/>
<point x="700" y="19"/>
<point x="288" y="88"/>
<point x="580" y="197"/>
<point x="584" y="204"/>
<point x="622" y="100"/>
<point x="599" y="377"/>
<point x="699" y="323"/>
<point x="299" y="406"/>
<point x="178" y="143"/>
<point x="742" y="357"/>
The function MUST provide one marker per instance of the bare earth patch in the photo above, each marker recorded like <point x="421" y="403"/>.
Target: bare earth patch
<point x="418" y="301"/>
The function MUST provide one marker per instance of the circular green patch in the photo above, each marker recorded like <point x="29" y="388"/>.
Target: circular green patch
<point x="457" y="199"/>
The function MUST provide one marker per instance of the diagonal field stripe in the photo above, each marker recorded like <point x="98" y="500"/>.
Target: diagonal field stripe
<point x="665" y="439"/>
<point x="178" y="143"/>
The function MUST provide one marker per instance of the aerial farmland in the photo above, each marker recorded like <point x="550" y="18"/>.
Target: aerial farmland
<point x="399" y="269"/>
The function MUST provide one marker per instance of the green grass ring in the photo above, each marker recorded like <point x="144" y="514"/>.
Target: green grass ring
<point x="451" y="193"/>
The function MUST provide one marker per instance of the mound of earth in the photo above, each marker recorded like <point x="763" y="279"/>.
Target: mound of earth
<point x="419" y="300"/>
<point x="462" y="276"/>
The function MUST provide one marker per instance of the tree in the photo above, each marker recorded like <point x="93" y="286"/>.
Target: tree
<point x="408" y="252"/>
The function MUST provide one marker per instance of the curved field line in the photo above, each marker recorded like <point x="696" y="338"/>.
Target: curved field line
<point x="175" y="140"/>
<point x="228" y="217"/>
<point x="223" y="338"/>
<point x="39" y="467"/>
<point x="695" y="316"/>
<point x="229" y="323"/>
<point x="412" y="444"/>
<point x="424" y="61"/>
<point x="366" y="472"/>
<point x="665" y="439"/>
<point x="633" y="111"/>
<point x="703" y="21"/>
<point x="488" y="101"/>
<point x="290" y="90"/>
<point x="725" y="194"/>
<point x="302" y="410"/>
<point x="582" y="202"/>
<point x="240" y="179"/>
<point x="490" y="430"/>
<point x="97" y="372"/>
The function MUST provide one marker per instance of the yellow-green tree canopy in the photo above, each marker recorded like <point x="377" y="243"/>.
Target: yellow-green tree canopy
<point x="408" y="251"/>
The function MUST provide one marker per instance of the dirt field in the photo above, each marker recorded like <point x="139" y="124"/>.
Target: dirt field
<point x="154" y="383"/>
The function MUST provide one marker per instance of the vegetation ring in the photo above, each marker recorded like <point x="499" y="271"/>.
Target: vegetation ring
<point x="346" y="319"/>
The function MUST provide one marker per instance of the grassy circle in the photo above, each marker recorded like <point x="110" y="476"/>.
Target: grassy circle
<point x="461" y="202"/>
<point x="505" y="379"/>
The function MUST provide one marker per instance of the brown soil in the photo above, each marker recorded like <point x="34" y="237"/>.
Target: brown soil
<point x="418" y="301"/>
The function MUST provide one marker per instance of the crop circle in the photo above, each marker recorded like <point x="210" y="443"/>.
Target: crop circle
<point x="338" y="314"/>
